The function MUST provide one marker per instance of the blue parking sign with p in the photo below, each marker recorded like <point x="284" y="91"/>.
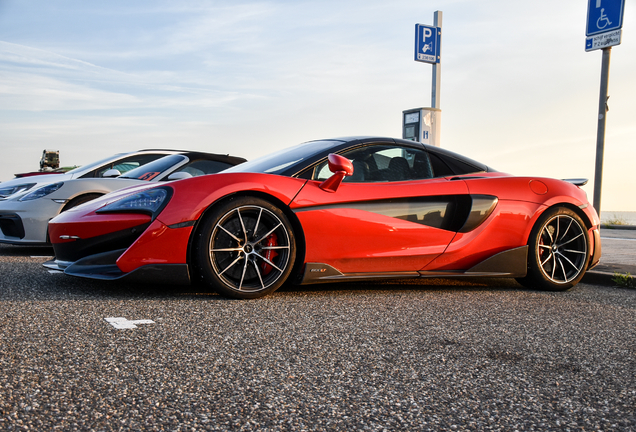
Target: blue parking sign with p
<point x="427" y="43"/>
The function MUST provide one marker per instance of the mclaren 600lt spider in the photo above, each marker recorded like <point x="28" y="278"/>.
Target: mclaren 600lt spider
<point x="359" y="208"/>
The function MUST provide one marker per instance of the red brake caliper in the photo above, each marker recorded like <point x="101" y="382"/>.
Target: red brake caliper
<point x="270" y="254"/>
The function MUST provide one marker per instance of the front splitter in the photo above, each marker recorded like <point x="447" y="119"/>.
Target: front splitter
<point x="164" y="274"/>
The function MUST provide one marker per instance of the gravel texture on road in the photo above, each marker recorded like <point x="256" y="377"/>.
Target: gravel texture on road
<point x="412" y="355"/>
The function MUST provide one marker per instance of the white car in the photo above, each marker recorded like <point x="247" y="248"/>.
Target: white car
<point x="24" y="215"/>
<point x="112" y="166"/>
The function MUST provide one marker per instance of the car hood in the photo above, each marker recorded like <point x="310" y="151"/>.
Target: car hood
<point x="36" y="181"/>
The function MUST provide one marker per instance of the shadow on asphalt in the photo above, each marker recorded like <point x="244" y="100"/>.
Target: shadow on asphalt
<point x="28" y="281"/>
<point x="23" y="251"/>
<point x="61" y="286"/>
<point x="38" y="284"/>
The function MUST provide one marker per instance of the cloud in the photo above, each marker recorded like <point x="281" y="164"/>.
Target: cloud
<point x="518" y="90"/>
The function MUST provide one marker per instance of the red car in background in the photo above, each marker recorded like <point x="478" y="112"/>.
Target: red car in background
<point x="358" y="208"/>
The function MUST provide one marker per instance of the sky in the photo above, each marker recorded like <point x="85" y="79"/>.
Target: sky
<point x="518" y="91"/>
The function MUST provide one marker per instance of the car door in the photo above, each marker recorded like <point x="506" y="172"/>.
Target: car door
<point x="392" y="215"/>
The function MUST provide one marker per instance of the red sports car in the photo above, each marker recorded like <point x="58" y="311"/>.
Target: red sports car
<point x="332" y="210"/>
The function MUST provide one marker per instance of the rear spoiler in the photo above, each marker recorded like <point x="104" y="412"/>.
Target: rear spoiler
<point x="577" y="181"/>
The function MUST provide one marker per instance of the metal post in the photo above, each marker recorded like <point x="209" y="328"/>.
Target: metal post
<point x="437" y="67"/>
<point x="600" y="134"/>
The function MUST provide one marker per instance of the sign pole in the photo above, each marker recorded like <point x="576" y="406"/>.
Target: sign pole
<point x="437" y="67"/>
<point x="603" y="30"/>
<point x="423" y="124"/>
<point x="600" y="134"/>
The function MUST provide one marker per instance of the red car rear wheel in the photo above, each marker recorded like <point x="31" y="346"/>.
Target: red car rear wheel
<point x="558" y="251"/>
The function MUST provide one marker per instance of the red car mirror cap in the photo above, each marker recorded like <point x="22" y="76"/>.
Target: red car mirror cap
<point x="340" y="163"/>
<point x="340" y="166"/>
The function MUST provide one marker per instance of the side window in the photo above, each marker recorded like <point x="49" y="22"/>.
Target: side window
<point x="322" y="172"/>
<point x="126" y="166"/>
<point x="383" y="163"/>
<point x="201" y="167"/>
<point x="123" y="165"/>
<point x="452" y="166"/>
<point x="439" y="166"/>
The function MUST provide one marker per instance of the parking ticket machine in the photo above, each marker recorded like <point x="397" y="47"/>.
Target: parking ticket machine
<point x="422" y="124"/>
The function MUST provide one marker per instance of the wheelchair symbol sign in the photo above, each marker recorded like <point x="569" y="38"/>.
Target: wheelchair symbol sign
<point x="604" y="16"/>
<point x="603" y="21"/>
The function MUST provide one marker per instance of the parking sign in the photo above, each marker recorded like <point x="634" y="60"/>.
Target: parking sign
<point x="427" y="43"/>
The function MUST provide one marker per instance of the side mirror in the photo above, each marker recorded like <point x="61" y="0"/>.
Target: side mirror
<point x="111" y="173"/>
<point x="179" y="175"/>
<point x="340" y="166"/>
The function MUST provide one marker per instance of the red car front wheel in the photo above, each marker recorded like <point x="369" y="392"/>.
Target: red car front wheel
<point x="245" y="248"/>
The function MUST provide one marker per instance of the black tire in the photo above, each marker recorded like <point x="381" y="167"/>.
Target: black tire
<point x="558" y="251"/>
<point x="245" y="248"/>
<point x="80" y="200"/>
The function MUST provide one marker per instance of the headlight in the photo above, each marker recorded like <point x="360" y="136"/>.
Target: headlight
<point x="6" y="191"/>
<point x="41" y="192"/>
<point x="149" y="201"/>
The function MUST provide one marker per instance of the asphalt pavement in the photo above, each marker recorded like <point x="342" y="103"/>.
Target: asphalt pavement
<point x="433" y="354"/>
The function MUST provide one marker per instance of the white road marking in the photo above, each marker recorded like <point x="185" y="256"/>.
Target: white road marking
<point x="123" y="323"/>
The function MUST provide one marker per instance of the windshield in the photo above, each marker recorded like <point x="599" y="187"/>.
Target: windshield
<point x="278" y="162"/>
<point x="153" y="169"/>
<point x="94" y="164"/>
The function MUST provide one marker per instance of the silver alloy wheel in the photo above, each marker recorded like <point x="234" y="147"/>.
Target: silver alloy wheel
<point x="249" y="248"/>
<point x="562" y="249"/>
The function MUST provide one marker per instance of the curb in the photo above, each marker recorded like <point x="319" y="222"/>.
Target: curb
<point x="599" y="278"/>
<point x="618" y="227"/>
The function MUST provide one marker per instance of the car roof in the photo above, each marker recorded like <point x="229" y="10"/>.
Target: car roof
<point x="292" y="161"/>
<point x="365" y="139"/>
